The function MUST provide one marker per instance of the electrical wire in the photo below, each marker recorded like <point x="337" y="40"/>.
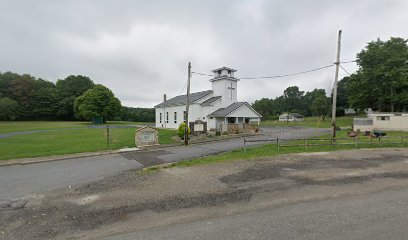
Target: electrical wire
<point x="351" y="61"/>
<point x="290" y="74"/>
<point x="275" y="76"/>
<point x="344" y="70"/>
<point x="203" y="74"/>
<point x="185" y="84"/>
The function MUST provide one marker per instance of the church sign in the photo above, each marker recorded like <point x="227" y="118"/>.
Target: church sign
<point x="198" y="126"/>
<point x="146" y="136"/>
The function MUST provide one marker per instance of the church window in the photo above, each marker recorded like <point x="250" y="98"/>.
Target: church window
<point x="160" y="117"/>
<point x="167" y="117"/>
<point x="184" y="116"/>
<point x="175" y="117"/>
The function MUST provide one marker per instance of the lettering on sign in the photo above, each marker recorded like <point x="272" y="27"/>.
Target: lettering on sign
<point x="198" y="127"/>
<point x="147" y="137"/>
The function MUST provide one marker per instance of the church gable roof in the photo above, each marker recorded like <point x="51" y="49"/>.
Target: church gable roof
<point x="223" y="112"/>
<point x="182" y="99"/>
<point x="209" y="101"/>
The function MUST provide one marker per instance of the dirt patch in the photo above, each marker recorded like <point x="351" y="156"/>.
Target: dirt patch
<point x="147" y="158"/>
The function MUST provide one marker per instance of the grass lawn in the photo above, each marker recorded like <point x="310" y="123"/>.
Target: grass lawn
<point x="21" y="126"/>
<point x="68" y="137"/>
<point x="268" y="150"/>
<point x="345" y="121"/>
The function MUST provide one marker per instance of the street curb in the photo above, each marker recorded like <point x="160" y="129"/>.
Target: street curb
<point x="27" y="161"/>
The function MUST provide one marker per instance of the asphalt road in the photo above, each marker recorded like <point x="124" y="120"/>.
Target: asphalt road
<point x="25" y="180"/>
<point x="353" y="194"/>
<point x="381" y="215"/>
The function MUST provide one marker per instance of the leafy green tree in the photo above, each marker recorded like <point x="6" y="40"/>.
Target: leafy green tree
<point x="5" y="80"/>
<point x="342" y="93"/>
<point x="137" y="114"/>
<point x="8" y="109"/>
<point x="381" y="81"/>
<point x="264" y="107"/>
<point x="316" y="103"/>
<point x="22" y="90"/>
<point x="68" y="90"/>
<point x="98" y="101"/>
<point x="293" y="100"/>
<point x="44" y="103"/>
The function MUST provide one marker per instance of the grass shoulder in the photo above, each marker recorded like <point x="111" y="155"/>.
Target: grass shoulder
<point x="269" y="150"/>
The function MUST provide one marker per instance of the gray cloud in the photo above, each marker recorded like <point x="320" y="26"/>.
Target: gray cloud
<point x="140" y="49"/>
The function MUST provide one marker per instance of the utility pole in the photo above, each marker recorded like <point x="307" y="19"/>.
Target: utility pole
<point x="336" y="77"/>
<point x="188" y="104"/>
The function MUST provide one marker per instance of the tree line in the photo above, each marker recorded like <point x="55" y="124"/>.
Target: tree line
<point x="380" y="83"/>
<point x="24" y="97"/>
<point x="314" y="103"/>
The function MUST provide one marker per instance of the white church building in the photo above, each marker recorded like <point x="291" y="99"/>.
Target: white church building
<point x="217" y="109"/>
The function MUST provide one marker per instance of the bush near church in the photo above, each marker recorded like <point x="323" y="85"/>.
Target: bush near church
<point x="181" y="128"/>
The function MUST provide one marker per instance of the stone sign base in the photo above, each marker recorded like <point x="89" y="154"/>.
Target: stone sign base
<point x="146" y="136"/>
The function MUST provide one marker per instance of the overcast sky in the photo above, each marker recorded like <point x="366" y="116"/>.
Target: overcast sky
<point x="140" y="49"/>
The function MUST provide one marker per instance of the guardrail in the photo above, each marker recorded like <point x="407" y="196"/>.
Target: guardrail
<point x="309" y="142"/>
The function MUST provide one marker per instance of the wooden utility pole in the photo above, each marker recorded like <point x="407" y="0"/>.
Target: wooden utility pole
<point x="336" y="77"/>
<point x="188" y="104"/>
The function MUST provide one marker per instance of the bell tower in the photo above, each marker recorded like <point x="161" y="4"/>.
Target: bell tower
<point x="224" y="84"/>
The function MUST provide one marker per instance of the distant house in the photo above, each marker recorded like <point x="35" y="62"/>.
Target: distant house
<point x="291" y="117"/>
<point x="350" y="111"/>
<point x="216" y="109"/>
<point x="382" y="121"/>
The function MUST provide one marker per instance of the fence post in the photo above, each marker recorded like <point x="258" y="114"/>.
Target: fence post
<point x="277" y="143"/>
<point x="332" y="142"/>
<point x="107" y="137"/>
<point x="244" y="145"/>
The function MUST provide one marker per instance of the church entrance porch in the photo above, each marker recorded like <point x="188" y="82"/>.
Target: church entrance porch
<point x="235" y="124"/>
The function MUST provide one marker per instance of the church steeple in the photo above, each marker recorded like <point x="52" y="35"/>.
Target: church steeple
<point x="224" y="84"/>
<point x="224" y="72"/>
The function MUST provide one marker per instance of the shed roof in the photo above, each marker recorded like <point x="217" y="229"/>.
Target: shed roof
<point x="182" y="99"/>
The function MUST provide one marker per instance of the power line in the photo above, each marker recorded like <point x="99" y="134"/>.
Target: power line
<point x="185" y="84"/>
<point x="344" y="70"/>
<point x="351" y="61"/>
<point x="290" y="74"/>
<point x="275" y="76"/>
<point x="203" y="74"/>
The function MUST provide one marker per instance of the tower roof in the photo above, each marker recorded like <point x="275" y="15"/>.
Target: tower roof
<point x="223" y="68"/>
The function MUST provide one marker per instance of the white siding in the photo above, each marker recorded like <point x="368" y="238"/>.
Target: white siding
<point x="222" y="88"/>
<point x="244" y="111"/>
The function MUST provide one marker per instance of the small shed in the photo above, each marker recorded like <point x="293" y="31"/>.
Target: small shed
<point x="291" y="117"/>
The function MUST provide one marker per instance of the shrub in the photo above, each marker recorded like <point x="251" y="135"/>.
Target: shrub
<point x="180" y="131"/>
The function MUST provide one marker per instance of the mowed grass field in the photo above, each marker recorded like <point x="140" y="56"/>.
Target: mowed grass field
<point x="57" y="138"/>
<point x="316" y="122"/>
